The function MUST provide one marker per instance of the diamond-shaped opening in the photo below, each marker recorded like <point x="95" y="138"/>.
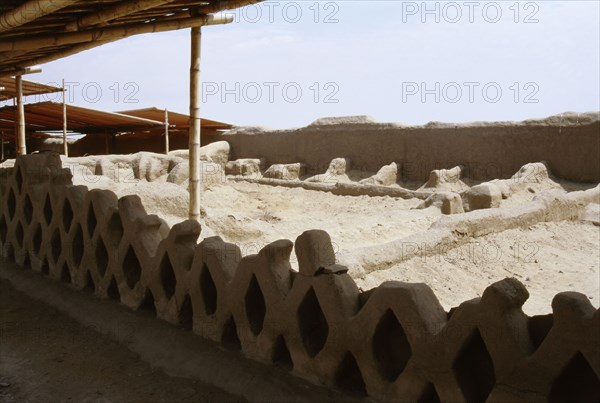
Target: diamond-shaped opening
<point x="186" y="313"/>
<point x="91" y="220"/>
<point x="255" y="306"/>
<point x="131" y="268"/>
<point x="115" y="229"/>
<point x="539" y="327"/>
<point x="208" y="290"/>
<point x="101" y="257"/>
<point x="167" y="276"/>
<point x="313" y="325"/>
<point x="55" y="245"/>
<point x="474" y="369"/>
<point x="77" y="246"/>
<point x="19" y="179"/>
<point x="11" y="203"/>
<point x="577" y="382"/>
<point x="3" y="229"/>
<point x="229" y="337"/>
<point x="281" y="354"/>
<point x="67" y="216"/>
<point x="429" y="395"/>
<point x="391" y="349"/>
<point x="113" y="290"/>
<point x="148" y="307"/>
<point x="28" y="209"/>
<point x="19" y="234"/>
<point x="48" y="210"/>
<point x="65" y="274"/>
<point x="349" y="378"/>
<point x="37" y="239"/>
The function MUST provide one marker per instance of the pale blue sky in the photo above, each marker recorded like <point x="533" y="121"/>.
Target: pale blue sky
<point x="372" y="61"/>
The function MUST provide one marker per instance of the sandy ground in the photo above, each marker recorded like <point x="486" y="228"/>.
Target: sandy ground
<point x="253" y="215"/>
<point x="548" y="258"/>
<point x="41" y="360"/>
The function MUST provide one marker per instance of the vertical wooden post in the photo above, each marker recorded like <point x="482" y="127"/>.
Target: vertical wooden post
<point x="2" y="142"/>
<point x="194" y="142"/>
<point x="65" y="145"/>
<point x="21" y="146"/>
<point x="166" y="131"/>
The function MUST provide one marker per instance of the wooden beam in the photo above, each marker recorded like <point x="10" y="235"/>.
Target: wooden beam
<point x="223" y="5"/>
<point x="211" y="8"/>
<point x="30" y="11"/>
<point x="110" y="33"/>
<point x="64" y="99"/>
<point x="195" y="185"/>
<point x="121" y="10"/>
<point x="167" y="131"/>
<point x="21" y="145"/>
<point x="14" y="70"/>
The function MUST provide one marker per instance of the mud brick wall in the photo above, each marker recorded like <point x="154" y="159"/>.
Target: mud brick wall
<point x="569" y="144"/>
<point x="394" y="342"/>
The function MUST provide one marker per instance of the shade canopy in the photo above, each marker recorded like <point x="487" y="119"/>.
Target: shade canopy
<point x="47" y="116"/>
<point x="34" y="32"/>
<point x="176" y="120"/>
<point x="9" y="90"/>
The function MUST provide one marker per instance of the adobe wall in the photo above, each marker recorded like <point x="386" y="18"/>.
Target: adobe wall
<point x="394" y="342"/>
<point x="569" y="143"/>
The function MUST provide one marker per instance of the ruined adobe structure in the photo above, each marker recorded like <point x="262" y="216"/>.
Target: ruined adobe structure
<point x="569" y="143"/>
<point x="394" y="342"/>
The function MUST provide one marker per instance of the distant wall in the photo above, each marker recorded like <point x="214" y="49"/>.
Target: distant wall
<point x="569" y="143"/>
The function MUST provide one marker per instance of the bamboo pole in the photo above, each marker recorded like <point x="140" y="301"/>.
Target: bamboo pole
<point x="11" y="71"/>
<point x="194" y="135"/>
<point x="64" y="99"/>
<point x="110" y="33"/>
<point x="30" y="11"/>
<point x="21" y="146"/>
<point x="211" y="8"/>
<point x="2" y="145"/>
<point x="167" y="131"/>
<point x="20" y="71"/>
<point x="121" y="10"/>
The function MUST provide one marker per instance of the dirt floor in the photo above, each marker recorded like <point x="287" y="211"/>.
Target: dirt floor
<point x="253" y="215"/>
<point x="548" y="258"/>
<point x="46" y="356"/>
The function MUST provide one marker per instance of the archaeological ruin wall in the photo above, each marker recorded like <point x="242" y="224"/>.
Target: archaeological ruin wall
<point x="568" y="143"/>
<point x="394" y="342"/>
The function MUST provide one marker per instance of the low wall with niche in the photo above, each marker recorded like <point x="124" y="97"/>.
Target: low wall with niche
<point x="394" y="342"/>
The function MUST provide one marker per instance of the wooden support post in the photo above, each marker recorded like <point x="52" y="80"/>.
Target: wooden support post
<point x="64" y="95"/>
<point x="2" y="145"/>
<point x="21" y="146"/>
<point x="167" y="131"/>
<point x="194" y="142"/>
